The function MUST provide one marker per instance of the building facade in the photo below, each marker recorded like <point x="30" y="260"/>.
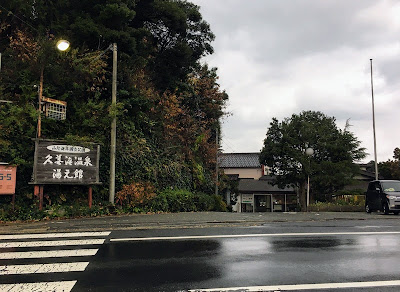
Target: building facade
<point x="255" y="191"/>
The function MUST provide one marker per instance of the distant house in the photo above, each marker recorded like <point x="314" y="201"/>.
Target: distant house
<point x="366" y="174"/>
<point x="261" y="196"/>
<point x="242" y="165"/>
<point x="255" y="191"/>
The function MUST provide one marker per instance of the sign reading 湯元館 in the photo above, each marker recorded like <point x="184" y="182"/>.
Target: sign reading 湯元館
<point x="56" y="162"/>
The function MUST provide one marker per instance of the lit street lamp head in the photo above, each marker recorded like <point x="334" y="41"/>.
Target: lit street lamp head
<point x="63" y="45"/>
<point x="309" y="151"/>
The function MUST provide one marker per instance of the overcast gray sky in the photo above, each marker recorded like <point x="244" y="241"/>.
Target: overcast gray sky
<point x="276" y="58"/>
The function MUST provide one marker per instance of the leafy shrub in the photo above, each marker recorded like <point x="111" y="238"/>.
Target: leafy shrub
<point x="137" y="194"/>
<point x="22" y="211"/>
<point x="338" y="206"/>
<point x="219" y="204"/>
<point x="134" y="198"/>
<point x="204" y="202"/>
<point x="173" y="201"/>
<point x="185" y="201"/>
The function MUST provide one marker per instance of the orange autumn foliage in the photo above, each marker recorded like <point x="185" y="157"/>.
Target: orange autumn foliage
<point x="135" y="194"/>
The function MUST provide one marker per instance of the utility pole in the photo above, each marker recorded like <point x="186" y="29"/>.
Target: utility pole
<point x="373" y="125"/>
<point x="40" y="96"/>
<point x="113" y="125"/>
<point x="216" y="164"/>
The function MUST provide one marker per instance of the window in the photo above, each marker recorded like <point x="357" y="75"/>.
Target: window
<point x="393" y="186"/>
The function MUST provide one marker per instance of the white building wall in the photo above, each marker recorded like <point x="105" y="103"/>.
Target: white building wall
<point x="254" y="173"/>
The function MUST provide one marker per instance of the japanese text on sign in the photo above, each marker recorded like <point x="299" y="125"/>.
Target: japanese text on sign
<point x="59" y="163"/>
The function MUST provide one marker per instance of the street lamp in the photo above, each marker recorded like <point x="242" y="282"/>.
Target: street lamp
<point x="309" y="153"/>
<point x="61" y="45"/>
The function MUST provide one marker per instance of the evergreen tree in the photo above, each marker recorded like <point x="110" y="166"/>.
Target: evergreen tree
<point x="331" y="166"/>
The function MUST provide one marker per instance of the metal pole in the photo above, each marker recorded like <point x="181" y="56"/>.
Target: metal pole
<point x="308" y="192"/>
<point x="309" y="152"/>
<point x="113" y="125"/>
<point x="373" y="124"/>
<point x="216" y="164"/>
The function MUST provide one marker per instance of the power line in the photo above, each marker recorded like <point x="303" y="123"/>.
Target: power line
<point x="228" y="144"/>
<point x="27" y="23"/>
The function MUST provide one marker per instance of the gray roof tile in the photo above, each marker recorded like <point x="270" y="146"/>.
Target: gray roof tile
<point x="239" y="160"/>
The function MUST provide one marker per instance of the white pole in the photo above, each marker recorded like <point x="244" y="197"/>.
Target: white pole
<point x="373" y="124"/>
<point x="216" y="164"/>
<point x="309" y="153"/>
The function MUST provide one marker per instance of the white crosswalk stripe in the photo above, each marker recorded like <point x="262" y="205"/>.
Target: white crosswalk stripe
<point x="48" y="254"/>
<point x="61" y="286"/>
<point x="27" y="251"/>
<point x="53" y="235"/>
<point x="51" y="243"/>
<point x="43" y="268"/>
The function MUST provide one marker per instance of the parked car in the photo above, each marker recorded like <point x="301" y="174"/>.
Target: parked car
<point x="383" y="195"/>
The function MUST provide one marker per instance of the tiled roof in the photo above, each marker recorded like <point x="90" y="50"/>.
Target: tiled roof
<point x="369" y="175"/>
<point x="239" y="160"/>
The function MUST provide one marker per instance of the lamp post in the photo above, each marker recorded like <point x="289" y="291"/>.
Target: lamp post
<point x="62" y="45"/>
<point x="309" y="153"/>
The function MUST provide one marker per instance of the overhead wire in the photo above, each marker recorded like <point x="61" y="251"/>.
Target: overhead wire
<point x="27" y="23"/>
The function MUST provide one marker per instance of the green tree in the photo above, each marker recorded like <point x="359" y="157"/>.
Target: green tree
<point x="168" y="104"/>
<point x="175" y="36"/>
<point x="390" y="169"/>
<point x="332" y="164"/>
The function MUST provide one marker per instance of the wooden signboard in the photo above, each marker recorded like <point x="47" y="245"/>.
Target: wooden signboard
<point x="56" y="162"/>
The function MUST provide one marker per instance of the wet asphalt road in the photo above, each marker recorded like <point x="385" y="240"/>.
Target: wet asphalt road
<point x="184" y="264"/>
<point x="270" y="253"/>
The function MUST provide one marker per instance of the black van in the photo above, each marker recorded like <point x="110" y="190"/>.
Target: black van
<point x="383" y="195"/>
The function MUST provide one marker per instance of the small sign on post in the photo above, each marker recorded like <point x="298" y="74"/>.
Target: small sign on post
<point x="8" y="179"/>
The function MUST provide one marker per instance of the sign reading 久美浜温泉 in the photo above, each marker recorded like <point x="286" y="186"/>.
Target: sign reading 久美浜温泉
<point x="59" y="163"/>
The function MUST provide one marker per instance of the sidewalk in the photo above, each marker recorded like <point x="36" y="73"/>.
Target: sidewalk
<point x="180" y="220"/>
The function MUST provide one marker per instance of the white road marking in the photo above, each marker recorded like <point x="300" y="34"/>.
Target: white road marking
<point x="307" y="286"/>
<point x="51" y="243"/>
<point x="252" y="235"/>
<point x="53" y="235"/>
<point x="47" y="254"/>
<point x="62" y="286"/>
<point x="43" y="268"/>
